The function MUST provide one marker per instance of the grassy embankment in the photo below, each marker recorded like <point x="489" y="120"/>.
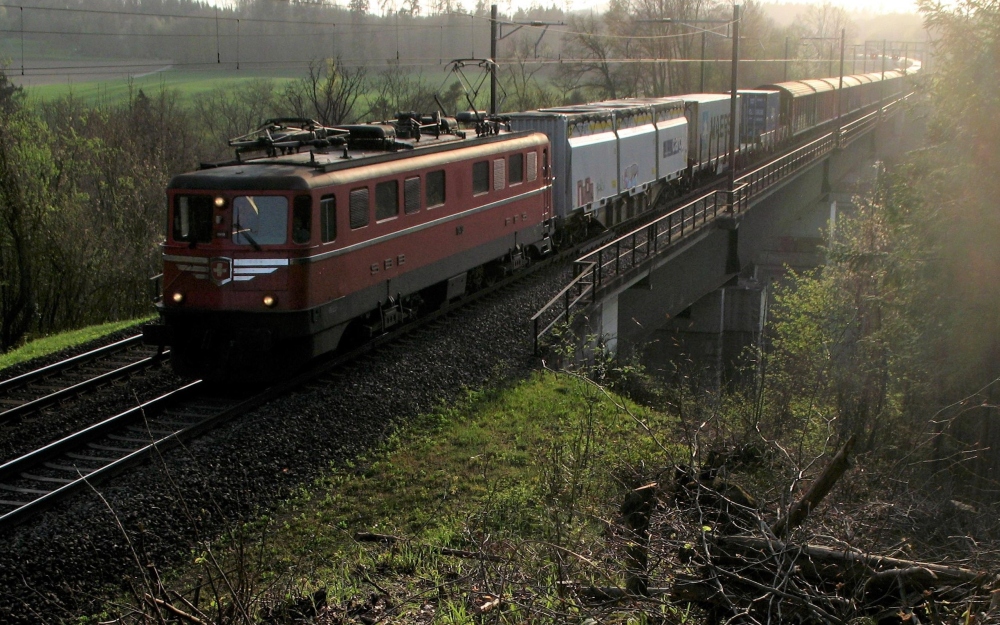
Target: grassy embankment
<point x="532" y="471"/>
<point x="65" y="340"/>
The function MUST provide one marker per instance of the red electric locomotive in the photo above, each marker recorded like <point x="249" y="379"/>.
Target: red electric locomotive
<point x="269" y="261"/>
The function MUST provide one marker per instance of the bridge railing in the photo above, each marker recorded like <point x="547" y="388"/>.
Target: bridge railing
<point x="616" y="258"/>
<point x="596" y="272"/>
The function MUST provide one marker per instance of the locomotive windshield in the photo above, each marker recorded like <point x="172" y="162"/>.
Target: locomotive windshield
<point x="260" y="220"/>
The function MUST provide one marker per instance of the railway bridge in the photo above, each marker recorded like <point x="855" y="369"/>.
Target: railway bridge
<point x="702" y="269"/>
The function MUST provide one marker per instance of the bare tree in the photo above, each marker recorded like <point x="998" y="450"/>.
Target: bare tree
<point x="329" y="94"/>
<point x="526" y="91"/>
<point x="228" y="112"/>
<point x="819" y="30"/>
<point x="396" y="90"/>
<point x="595" y="52"/>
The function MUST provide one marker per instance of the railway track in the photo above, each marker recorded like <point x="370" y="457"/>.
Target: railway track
<point x="49" y="385"/>
<point x="46" y="476"/>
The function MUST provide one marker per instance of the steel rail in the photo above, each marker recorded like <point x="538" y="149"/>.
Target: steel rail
<point x="56" y="457"/>
<point x="26" y="378"/>
<point x="16" y="469"/>
<point x="47" y="400"/>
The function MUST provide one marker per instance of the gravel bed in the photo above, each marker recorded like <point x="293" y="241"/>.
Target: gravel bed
<point x="59" y="420"/>
<point x="60" y="566"/>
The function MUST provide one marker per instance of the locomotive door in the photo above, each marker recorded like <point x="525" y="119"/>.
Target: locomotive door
<point x="547" y="182"/>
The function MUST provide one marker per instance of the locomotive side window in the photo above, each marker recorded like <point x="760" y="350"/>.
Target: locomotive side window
<point x="359" y="208"/>
<point x="302" y="219"/>
<point x="260" y="220"/>
<point x="411" y="195"/>
<point x="499" y="173"/>
<point x="435" y="188"/>
<point x="516" y="168"/>
<point x="480" y="177"/>
<point x="386" y="200"/>
<point x="328" y="218"/>
<point x="193" y="218"/>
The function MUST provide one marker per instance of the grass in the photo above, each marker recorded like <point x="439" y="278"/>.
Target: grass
<point x="57" y="342"/>
<point x="528" y="470"/>
<point x="188" y="84"/>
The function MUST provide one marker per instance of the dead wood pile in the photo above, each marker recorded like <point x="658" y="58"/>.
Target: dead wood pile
<point x="740" y="567"/>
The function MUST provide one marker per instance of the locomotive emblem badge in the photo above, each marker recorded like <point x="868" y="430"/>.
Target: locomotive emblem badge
<point x="221" y="270"/>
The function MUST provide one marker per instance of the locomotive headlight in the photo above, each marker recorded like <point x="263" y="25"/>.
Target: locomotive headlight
<point x="178" y="297"/>
<point x="270" y="301"/>
<point x="220" y="202"/>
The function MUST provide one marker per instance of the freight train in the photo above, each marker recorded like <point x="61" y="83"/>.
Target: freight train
<point x="333" y="235"/>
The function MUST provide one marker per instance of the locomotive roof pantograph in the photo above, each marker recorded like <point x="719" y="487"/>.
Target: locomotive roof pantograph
<point x="346" y="148"/>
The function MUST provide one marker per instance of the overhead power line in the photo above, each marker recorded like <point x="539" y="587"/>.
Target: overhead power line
<point x="167" y="15"/>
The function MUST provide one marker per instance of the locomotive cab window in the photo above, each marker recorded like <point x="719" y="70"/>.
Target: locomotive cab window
<point x="302" y="219"/>
<point x="516" y="173"/>
<point x="435" y="188"/>
<point x="480" y="177"/>
<point x="260" y="220"/>
<point x="193" y="218"/>
<point x="328" y="218"/>
<point x="386" y="200"/>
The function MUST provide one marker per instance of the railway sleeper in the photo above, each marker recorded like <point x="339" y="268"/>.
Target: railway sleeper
<point x="129" y="439"/>
<point x="88" y="458"/>
<point x="45" y="479"/>
<point x="151" y="431"/>
<point x="69" y="468"/>
<point x="120" y="450"/>
<point x="24" y="491"/>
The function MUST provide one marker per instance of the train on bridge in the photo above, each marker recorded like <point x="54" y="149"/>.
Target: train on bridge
<point x="314" y="237"/>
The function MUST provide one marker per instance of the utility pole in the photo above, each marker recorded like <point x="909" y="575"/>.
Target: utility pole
<point x="785" y="76"/>
<point x="881" y="90"/>
<point x="840" y="88"/>
<point x="701" y="87"/>
<point x="733" y="142"/>
<point x="493" y="59"/>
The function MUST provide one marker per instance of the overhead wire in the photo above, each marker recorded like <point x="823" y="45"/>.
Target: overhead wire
<point x="410" y="61"/>
<point x="164" y="15"/>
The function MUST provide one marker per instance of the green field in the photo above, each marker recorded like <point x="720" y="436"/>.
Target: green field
<point x="187" y="83"/>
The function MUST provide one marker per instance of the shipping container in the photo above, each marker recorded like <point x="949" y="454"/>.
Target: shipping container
<point x="759" y="117"/>
<point x="708" y="129"/>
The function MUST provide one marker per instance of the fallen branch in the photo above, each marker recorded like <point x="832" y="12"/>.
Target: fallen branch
<point x="877" y="565"/>
<point x="181" y="614"/>
<point x="369" y="537"/>
<point x="819" y="489"/>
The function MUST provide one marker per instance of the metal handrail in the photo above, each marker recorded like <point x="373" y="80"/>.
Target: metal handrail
<point x="569" y="301"/>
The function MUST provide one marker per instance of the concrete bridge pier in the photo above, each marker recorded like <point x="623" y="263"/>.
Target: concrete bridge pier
<point x="706" y="301"/>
